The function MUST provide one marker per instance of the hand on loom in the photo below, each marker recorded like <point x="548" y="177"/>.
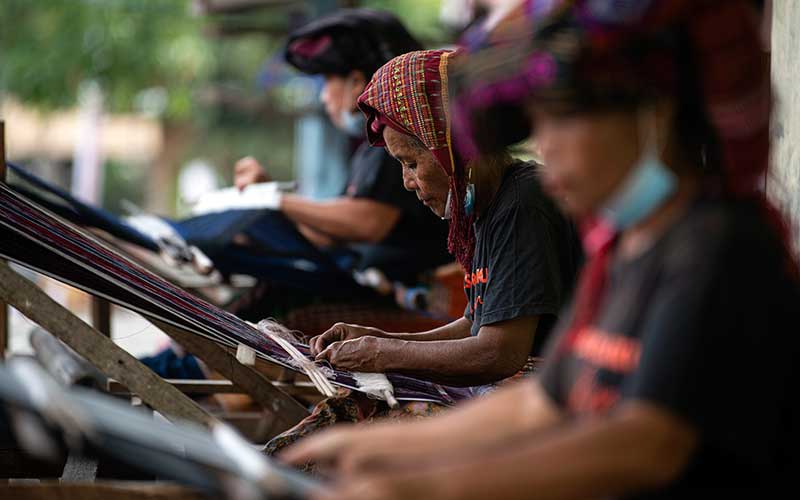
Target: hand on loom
<point x="364" y="466"/>
<point x="248" y="171"/>
<point x="364" y="354"/>
<point x="386" y="486"/>
<point x="341" y="332"/>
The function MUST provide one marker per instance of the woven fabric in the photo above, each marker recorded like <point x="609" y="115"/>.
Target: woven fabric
<point x="409" y="94"/>
<point x="38" y="240"/>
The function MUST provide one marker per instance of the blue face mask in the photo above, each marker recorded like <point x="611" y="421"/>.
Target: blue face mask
<point x="646" y="188"/>
<point x="469" y="202"/>
<point x="353" y="123"/>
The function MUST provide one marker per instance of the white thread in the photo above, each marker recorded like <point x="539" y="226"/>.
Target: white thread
<point x="377" y="386"/>
<point x="281" y="336"/>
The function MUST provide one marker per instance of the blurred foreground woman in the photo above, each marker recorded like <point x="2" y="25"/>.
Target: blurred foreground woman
<point x="673" y="370"/>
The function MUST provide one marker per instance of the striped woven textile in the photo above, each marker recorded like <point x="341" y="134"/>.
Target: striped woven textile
<point x="39" y="240"/>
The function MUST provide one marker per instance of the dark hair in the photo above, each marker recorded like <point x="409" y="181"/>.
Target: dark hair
<point x="347" y="40"/>
<point x="698" y="145"/>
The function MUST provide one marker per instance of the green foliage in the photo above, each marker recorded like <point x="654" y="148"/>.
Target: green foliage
<point x="123" y="182"/>
<point x="421" y="17"/>
<point x="48" y="48"/>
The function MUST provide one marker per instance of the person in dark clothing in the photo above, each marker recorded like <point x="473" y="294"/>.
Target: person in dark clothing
<point x="374" y="225"/>
<point x="375" y="216"/>
<point x="521" y="253"/>
<point x="673" y="373"/>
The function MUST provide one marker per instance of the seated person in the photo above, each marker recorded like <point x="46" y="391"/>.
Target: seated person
<point x="375" y="216"/>
<point x="674" y="373"/>
<point x="520" y="251"/>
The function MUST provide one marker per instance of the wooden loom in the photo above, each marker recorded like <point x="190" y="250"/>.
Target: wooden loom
<point x="115" y="363"/>
<point x="94" y="344"/>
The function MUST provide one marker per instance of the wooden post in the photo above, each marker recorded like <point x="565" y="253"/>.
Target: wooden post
<point x="98" y="349"/>
<point x="4" y="311"/>
<point x="284" y="407"/>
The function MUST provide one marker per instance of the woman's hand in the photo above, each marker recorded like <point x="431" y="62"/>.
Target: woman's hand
<point x="367" y="449"/>
<point x="341" y="332"/>
<point x="363" y="354"/>
<point x="248" y="171"/>
<point x="386" y="486"/>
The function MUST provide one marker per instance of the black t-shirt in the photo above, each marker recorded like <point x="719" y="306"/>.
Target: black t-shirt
<point x="705" y="325"/>
<point x="418" y="241"/>
<point x="526" y="256"/>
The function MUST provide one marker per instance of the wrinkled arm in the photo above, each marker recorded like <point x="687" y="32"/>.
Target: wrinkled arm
<point x="498" y="351"/>
<point x="457" y="329"/>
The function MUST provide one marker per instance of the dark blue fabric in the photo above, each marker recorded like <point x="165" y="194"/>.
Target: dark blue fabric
<point x="72" y="209"/>
<point x="278" y="251"/>
<point x="167" y="364"/>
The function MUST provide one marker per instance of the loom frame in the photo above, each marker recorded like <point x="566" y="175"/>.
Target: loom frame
<point x="135" y="376"/>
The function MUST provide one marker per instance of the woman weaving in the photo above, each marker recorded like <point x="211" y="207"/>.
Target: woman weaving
<point x="652" y="121"/>
<point x="517" y="247"/>
<point x="521" y="252"/>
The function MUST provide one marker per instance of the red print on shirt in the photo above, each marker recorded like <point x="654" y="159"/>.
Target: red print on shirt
<point x="600" y="350"/>
<point x="477" y="277"/>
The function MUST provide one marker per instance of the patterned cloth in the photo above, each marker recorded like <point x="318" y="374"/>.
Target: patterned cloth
<point x="601" y="52"/>
<point x="613" y="54"/>
<point x="353" y="407"/>
<point x="348" y="407"/>
<point x="410" y="95"/>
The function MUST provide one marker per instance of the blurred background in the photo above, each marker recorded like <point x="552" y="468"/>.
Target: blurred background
<point x="122" y="101"/>
<point x="147" y="104"/>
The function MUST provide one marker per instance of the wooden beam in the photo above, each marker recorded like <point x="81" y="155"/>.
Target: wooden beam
<point x="98" y="349"/>
<point x="285" y="408"/>
<point x="199" y="387"/>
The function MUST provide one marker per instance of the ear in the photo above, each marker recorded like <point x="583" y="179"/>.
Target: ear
<point x="358" y="82"/>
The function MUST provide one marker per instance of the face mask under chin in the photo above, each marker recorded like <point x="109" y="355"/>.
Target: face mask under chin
<point x="646" y="187"/>
<point x="352" y="123"/>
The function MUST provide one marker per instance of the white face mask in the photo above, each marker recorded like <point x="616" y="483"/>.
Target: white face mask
<point x="352" y="123"/>
<point x="448" y="209"/>
<point x="469" y="202"/>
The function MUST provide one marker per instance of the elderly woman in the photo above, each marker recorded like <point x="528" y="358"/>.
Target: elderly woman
<point x="520" y="252"/>
<point x="652" y="123"/>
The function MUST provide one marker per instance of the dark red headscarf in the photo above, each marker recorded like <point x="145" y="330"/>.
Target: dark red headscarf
<point x="410" y="95"/>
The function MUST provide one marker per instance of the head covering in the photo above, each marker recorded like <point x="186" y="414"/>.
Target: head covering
<point x="347" y="40"/>
<point x="410" y="95"/>
<point x="594" y="53"/>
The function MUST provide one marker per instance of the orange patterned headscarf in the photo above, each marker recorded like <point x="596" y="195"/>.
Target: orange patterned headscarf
<point x="410" y="95"/>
